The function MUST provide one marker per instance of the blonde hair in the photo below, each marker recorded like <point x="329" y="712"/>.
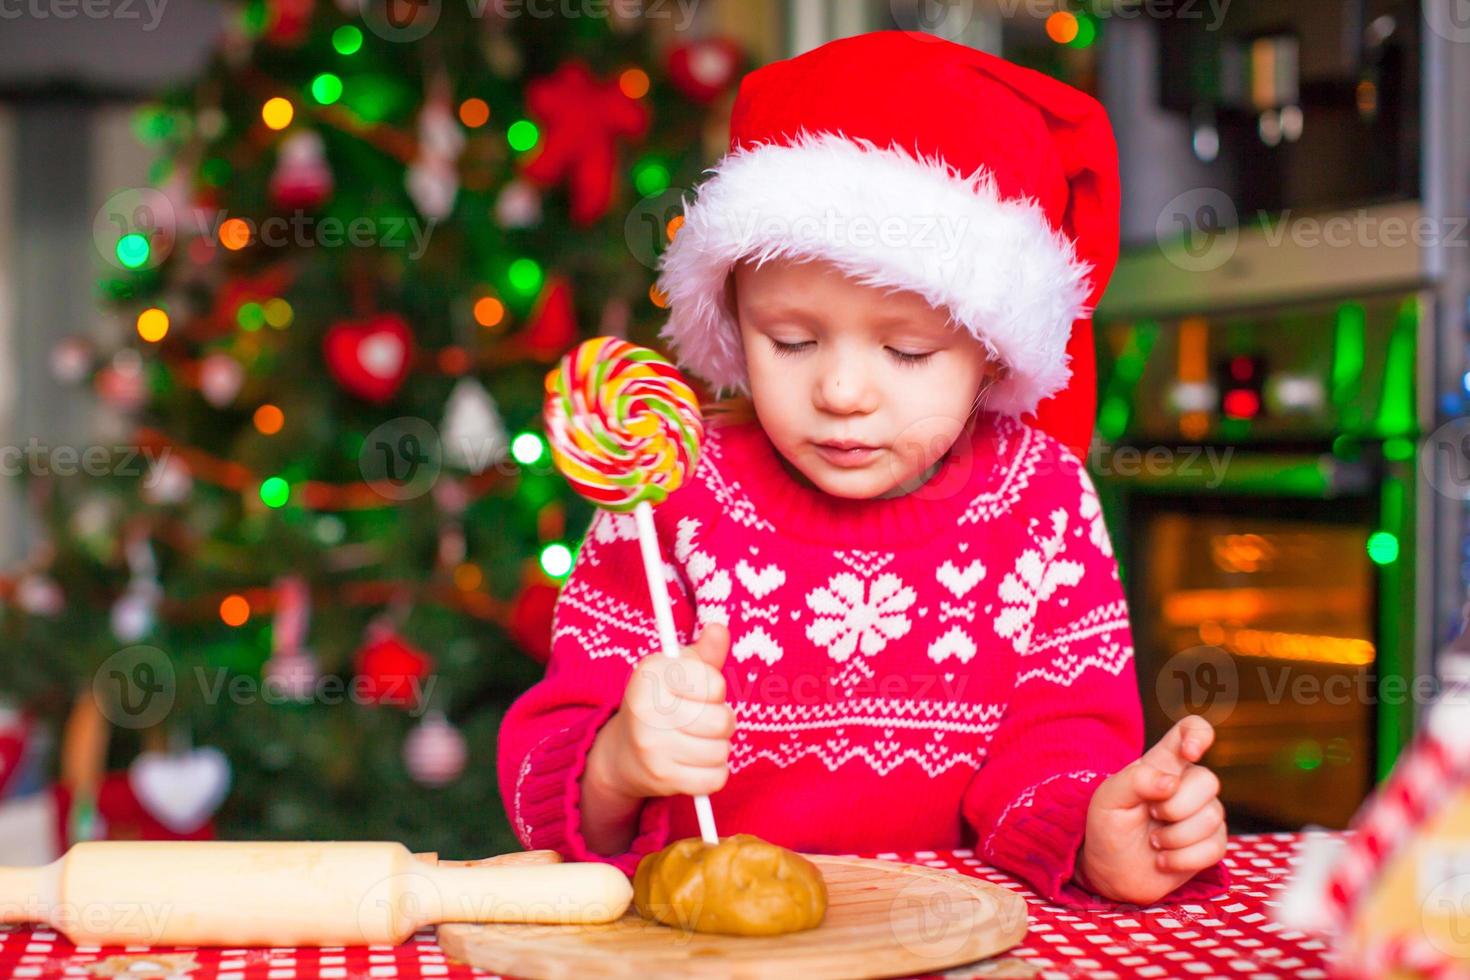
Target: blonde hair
<point x="738" y="409"/>
<point x="732" y="411"/>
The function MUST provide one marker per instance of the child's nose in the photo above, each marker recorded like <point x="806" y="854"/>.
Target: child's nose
<point x="844" y="389"/>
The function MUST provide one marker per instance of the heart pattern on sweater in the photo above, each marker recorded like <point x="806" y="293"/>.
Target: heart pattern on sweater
<point x="756" y="642"/>
<point x="956" y="643"/>
<point x="760" y="583"/>
<point x="700" y="565"/>
<point x="957" y="580"/>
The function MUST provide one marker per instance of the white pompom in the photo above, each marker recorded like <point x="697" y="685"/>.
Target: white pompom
<point x="71" y="359"/>
<point x="39" y="595"/>
<point x="220" y="378"/>
<point x="433" y="185"/>
<point x="434" y="753"/>
<point x="132" y="615"/>
<point x="168" y="481"/>
<point x="518" y="206"/>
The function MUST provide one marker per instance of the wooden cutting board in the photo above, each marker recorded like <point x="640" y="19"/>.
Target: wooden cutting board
<point x="884" y="919"/>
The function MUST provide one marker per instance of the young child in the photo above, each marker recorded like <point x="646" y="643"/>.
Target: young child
<point x="901" y="618"/>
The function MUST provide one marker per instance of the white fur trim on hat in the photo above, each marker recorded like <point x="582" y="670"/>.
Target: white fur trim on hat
<point x="888" y="220"/>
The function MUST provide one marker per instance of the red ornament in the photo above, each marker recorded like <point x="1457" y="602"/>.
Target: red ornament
<point x="581" y="120"/>
<point x="701" y="70"/>
<point x="302" y="178"/>
<point x="13" y="740"/>
<point x="121" y="815"/>
<point x="552" y="328"/>
<point x="370" y="358"/>
<point x="391" y="672"/>
<point x="122" y="385"/>
<point x="530" y="618"/>
<point x="287" y="22"/>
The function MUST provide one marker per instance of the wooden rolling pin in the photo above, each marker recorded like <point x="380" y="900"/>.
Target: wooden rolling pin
<point x="294" y="893"/>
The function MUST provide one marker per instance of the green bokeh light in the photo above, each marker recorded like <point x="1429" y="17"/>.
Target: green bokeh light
<point x="1086" y="33"/>
<point x="326" y="88"/>
<point x="132" y="250"/>
<point x="527" y="448"/>
<point x="556" y="560"/>
<point x="1383" y="548"/>
<point x="274" y="492"/>
<point x="152" y="124"/>
<point x="347" y="39"/>
<point x="525" y="276"/>
<point x="522" y="135"/>
<point x="651" y="177"/>
<point x="253" y="17"/>
<point x="250" y="316"/>
<point x="1307" y="754"/>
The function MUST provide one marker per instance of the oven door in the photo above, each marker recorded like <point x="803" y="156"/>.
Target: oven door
<point x="1258" y="604"/>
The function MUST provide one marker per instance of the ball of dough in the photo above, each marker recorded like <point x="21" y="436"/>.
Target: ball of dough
<point x="742" y="886"/>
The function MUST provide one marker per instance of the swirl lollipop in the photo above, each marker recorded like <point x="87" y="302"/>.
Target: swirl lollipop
<point x="625" y="430"/>
<point x="624" y="426"/>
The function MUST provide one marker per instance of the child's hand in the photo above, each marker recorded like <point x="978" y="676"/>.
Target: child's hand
<point x="1156" y="823"/>
<point x="671" y="735"/>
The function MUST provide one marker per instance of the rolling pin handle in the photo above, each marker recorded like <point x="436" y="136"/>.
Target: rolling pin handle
<point x="27" y="894"/>
<point x="583" y="893"/>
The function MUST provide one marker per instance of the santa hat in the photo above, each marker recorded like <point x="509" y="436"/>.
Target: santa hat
<point x="917" y="163"/>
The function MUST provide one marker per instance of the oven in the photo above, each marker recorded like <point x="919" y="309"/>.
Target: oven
<point x="1258" y="476"/>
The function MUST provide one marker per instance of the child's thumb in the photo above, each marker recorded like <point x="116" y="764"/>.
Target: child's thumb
<point x="713" y="644"/>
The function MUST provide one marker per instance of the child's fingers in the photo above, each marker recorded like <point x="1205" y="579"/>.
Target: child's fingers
<point x="1196" y="827"/>
<point x="698" y="780"/>
<point x="713" y="721"/>
<point x="1197" y="786"/>
<point x="1181" y="745"/>
<point x="666" y="679"/>
<point x="700" y="753"/>
<point x="1137" y="783"/>
<point x="1196" y="857"/>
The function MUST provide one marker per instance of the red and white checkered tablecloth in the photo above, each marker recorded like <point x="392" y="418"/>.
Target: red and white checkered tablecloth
<point x="1234" y="937"/>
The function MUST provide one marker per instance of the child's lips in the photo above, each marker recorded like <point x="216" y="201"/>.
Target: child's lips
<point x="851" y="457"/>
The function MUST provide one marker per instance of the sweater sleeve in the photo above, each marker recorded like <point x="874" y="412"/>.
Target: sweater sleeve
<point x="1075" y="716"/>
<point x="602" y="625"/>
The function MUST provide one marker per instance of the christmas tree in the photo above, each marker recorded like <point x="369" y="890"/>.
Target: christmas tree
<point x="299" y="598"/>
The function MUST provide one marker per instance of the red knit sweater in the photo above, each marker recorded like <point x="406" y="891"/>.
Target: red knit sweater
<point x="948" y="668"/>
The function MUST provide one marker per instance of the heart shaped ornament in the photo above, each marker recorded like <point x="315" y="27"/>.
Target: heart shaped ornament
<point x="181" y="790"/>
<point x="370" y="358"/>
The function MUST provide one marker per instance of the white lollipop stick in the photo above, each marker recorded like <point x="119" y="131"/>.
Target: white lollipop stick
<point x="663" y="614"/>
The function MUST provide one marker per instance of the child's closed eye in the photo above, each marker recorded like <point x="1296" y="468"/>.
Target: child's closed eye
<point x="902" y="357"/>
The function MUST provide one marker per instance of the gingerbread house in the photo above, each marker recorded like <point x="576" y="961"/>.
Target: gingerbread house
<point x="1392" y="896"/>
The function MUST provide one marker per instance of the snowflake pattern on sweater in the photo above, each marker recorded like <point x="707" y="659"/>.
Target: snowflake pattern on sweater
<point x="952" y="667"/>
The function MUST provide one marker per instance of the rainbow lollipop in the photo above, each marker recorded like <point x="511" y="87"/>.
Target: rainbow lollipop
<point x="625" y="431"/>
<point x="623" y="424"/>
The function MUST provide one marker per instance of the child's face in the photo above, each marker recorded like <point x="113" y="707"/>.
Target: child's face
<point x="846" y="381"/>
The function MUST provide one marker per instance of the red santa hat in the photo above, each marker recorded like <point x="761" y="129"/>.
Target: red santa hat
<point x="921" y="164"/>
